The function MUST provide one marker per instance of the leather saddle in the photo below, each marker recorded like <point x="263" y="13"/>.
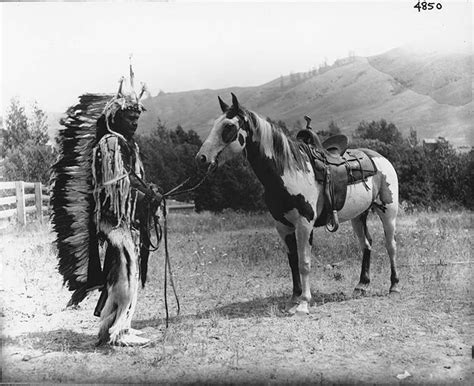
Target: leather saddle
<point x="335" y="167"/>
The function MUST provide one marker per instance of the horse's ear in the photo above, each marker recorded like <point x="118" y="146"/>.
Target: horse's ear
<point x="235" y="102"/>
<point x="224" y="106"/>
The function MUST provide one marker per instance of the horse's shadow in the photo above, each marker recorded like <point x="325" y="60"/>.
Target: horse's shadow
<point x="270" y="306"/>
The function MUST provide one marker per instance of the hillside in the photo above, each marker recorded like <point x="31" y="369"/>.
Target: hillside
<point x="446" y="78"/>
<point x="426" y="91"/>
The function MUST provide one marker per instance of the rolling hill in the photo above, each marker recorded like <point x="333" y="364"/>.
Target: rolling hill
<point x="427" y="91"/>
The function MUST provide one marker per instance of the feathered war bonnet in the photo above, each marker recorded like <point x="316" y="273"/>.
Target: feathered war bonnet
<point x="122" y="111"/>
<point x="72" y="197"/>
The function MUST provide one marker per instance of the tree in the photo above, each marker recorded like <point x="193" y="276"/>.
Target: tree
<point x="31" y="162"/>
<point x="428" y="177"/>
<point x="28" y="157"/>
<point x="381" y="130"/>
<point x="444" y="167"/>
<point x="413" y="138"/>
<point x="465" y="182"/>
<point x="38" y="126"/>
<point x="333" y="128"/>
<point x="168" y="156"/>
<point x="297" y="126"/>
<point x="16" y="133"/>
<point x="234" y="185"/>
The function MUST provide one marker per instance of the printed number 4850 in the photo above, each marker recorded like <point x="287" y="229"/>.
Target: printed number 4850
<point x="425" y="6"/>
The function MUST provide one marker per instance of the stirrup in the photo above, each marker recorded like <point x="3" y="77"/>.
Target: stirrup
<point x="333" y="222"/>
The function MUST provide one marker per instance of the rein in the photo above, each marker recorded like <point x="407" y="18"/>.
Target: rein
<point x="174" y="192"/>
<point x="168" y="268"/>
<point x="163" y="233"/>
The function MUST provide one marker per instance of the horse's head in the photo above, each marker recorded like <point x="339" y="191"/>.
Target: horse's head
<point x="227" y="137"/>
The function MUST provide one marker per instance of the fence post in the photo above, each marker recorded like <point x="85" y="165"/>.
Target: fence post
<point x="39" y="202"/>
<point x="20" y="202"/>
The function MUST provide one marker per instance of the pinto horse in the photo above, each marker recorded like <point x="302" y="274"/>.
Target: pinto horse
<point x="295" y="198"/>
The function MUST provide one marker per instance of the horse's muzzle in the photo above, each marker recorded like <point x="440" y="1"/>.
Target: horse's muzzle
<point x="201" y="160"/>
<point x="212" y="167"/>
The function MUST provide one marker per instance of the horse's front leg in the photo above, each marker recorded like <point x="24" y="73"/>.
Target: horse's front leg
<point x="288" y="236"/>
<point x="303" y="234"/>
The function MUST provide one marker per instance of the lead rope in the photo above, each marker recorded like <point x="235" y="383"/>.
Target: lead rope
<point x="164" y="232"/>
<point x="168" y="267"/>
<point x="173" y="192"/>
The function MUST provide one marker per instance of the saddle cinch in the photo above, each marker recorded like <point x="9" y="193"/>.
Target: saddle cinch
<point x="335" y="167"/>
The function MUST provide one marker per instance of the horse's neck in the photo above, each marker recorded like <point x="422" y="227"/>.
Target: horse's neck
<point x="263" y="166"/>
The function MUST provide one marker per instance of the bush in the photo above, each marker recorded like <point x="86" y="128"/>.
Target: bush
<point x="234" y="185"/>
<point x="428" y="177"/>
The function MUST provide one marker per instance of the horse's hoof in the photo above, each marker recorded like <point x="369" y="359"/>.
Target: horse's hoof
<point x="359" y="292"/>
<point x="395" y="289"/>
<point x="302" y="314"/>
<point x="302" y="309"/>
<point x="292" y="310"/>
<point x="291" y="304"/>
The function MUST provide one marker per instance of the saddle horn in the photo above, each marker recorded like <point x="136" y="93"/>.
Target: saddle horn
<point x="308" y="135"/>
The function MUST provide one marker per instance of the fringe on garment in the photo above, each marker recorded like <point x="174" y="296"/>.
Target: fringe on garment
<point x="112" y="192"/>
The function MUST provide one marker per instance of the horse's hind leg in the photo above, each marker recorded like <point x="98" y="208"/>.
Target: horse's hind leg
<point x="359" y="224"/>
<point x="389" y="217"/>
<point x="287" y="234"/>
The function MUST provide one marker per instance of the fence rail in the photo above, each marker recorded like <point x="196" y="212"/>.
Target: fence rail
<point x="13" y="193"/>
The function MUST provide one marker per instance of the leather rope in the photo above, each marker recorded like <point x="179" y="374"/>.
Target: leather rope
<point x="174" y="192"/>
<point x="163" y="233"/>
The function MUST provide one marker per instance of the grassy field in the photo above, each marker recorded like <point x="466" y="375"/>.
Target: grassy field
<point x="233" y="280"/>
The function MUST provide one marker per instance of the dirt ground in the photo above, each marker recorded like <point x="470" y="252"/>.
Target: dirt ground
<point x="233" y="281"/>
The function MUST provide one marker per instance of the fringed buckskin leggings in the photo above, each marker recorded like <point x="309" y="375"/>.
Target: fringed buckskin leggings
<point x="122" y="271"/>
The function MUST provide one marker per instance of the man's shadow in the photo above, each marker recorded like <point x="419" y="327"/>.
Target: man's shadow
<point x="60" y="340"/>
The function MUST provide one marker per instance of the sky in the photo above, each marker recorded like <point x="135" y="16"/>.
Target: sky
<point x="53" y="52"/>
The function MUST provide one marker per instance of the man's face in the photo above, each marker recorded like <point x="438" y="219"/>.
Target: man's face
<point x="126" y="121"/>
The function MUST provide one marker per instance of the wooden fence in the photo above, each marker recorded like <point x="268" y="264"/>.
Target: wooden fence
<point x="27" y="198"/>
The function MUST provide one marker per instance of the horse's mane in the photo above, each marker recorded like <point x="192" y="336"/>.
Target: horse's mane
<point x="274" y="144"/>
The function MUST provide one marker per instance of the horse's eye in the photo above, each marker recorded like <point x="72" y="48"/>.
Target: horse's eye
<point x="229" y="133"/>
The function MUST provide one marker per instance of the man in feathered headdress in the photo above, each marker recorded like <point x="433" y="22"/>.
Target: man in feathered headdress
<point x="99" y="197"/>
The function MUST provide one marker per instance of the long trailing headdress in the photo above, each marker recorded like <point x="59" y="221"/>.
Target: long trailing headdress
<point x="72" y="197"/>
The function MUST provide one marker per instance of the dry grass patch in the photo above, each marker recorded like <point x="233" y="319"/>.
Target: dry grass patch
<point x="233" y="280"/>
